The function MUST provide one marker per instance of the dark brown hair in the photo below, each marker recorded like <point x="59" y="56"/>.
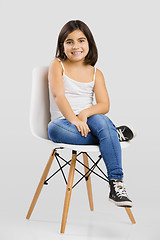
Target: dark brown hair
<point x="69" y="27"/>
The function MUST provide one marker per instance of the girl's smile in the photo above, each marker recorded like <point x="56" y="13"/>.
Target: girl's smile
<point x="77" y="52"/>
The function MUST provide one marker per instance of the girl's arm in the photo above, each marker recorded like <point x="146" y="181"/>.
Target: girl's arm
<point x="58" y="92"/>
<point x="102" y="99"/>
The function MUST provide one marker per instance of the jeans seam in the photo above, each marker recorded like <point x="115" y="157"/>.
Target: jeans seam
<point x="98" y="132"/>
<point x="109" y="174"/>
<point x="112" y="141"/>
<point x="65" y="128"/>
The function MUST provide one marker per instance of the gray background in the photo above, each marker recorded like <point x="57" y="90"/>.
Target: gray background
<point x="127" y="38"/>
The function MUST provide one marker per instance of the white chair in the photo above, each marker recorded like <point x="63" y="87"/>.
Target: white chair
<point x="39" y="119"/>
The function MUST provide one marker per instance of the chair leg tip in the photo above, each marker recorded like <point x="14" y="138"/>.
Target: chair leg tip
<point x="28" y="217"/>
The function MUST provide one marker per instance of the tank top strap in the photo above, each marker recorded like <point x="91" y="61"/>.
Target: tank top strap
<point x="94" y="75"/>
<point x="61" y="64"/>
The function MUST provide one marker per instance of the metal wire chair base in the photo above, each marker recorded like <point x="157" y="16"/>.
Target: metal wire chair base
<point x="86" y="175"/>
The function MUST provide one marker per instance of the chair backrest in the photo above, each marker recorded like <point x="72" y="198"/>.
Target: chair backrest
<point x="40" y="106"/>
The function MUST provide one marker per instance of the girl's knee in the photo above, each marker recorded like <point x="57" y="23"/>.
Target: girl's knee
<point x="109" y="121"/>
<point x="101" y="121"/>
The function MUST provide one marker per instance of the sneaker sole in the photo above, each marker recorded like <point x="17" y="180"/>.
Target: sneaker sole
<point x="121" y="204"/>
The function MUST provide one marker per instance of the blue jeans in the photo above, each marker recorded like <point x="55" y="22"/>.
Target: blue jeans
<point x="103" y="133"/>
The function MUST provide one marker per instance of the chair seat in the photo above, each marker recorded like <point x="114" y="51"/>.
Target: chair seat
<point x="79" y="148"/>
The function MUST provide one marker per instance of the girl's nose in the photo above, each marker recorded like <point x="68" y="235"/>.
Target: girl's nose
<point x="75" y="46"/>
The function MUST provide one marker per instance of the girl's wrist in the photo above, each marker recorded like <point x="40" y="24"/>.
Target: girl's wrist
<point x="85" y="112"/>
<point x="72" y="121"/>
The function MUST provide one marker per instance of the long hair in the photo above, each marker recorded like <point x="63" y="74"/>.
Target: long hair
<point x="69" y="27"/>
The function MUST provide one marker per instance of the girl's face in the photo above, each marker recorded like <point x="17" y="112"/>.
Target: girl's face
<point x="76" y="46"/>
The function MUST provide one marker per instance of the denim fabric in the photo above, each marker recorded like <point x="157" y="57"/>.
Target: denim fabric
<point x="103" y="133"/>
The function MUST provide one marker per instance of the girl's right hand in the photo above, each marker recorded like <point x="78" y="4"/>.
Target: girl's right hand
<point x="81" y="126"/>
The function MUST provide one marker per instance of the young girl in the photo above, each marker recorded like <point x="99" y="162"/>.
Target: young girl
<point x="73" y="81"/>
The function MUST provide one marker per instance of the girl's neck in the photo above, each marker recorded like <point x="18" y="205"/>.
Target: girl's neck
<point x="75" y="64"/>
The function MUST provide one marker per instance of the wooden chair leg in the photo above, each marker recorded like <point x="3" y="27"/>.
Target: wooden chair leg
<point x="68" y="192"/>
<point x="129" y="212"/>
<point x="41" y="183"/>
<point x="88" y="182"/>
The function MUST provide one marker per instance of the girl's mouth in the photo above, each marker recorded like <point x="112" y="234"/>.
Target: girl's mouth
<point x="77" y="53"/>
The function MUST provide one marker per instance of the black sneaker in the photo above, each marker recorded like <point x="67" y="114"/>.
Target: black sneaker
<point x="125" y="133"/>
<point x="118" y="194"/>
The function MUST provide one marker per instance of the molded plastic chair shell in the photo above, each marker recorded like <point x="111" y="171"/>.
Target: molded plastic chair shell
<point x="39" y="119"/>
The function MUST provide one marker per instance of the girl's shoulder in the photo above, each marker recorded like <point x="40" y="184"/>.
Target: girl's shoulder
<point x="99" y="72"/>
<point x="55" y="62"/>
<point x="55" y="65"/>
<point x="99" y="75"/>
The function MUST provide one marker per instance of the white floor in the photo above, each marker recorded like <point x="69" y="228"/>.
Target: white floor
<point x="96" y="225"/>
<point x="105" y="222"/>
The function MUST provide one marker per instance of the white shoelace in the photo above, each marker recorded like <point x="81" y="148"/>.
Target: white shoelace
<point x="121" y="136"/>
<point x="120" y="189"/>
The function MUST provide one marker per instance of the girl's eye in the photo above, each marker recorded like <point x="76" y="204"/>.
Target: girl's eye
<point x="69" y="42"/>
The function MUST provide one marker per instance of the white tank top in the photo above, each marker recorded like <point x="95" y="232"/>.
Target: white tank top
<point x="79" y="95"/>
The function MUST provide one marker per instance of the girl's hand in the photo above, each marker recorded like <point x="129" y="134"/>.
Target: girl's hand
<point x="81" y="126"/>
<point x="82" y="116"/>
